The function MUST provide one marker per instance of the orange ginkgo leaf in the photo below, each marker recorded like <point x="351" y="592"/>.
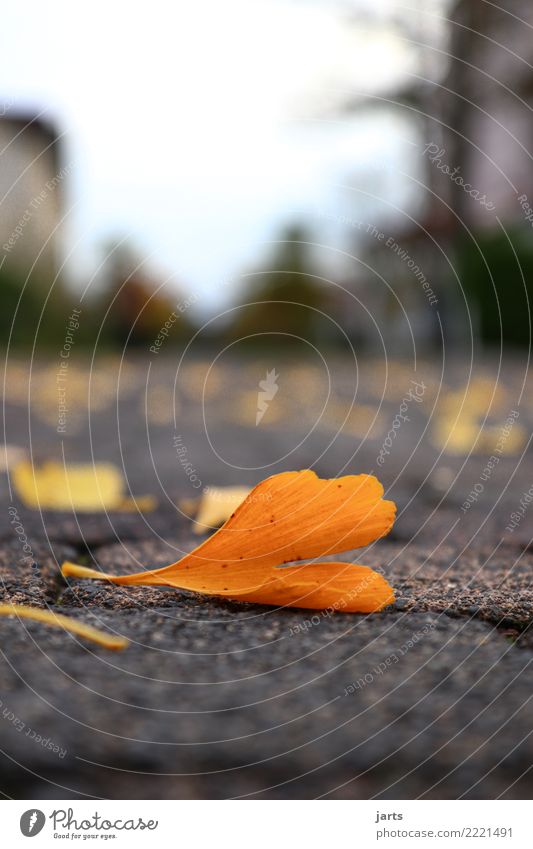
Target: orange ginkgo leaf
<point x="57" y="620"/>
<point x="290" y="517"/>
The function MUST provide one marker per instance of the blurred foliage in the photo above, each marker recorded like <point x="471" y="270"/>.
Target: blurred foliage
<point x="497" y="278"/>
<point x="127" y="311"/>
<point x="133" y="308"/>
<point x="285" y="302"/>
<point x="284" y="297"/>
<point x="33" y="309"/>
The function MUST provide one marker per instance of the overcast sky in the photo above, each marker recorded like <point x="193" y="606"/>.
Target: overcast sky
<point x="198" y="129"/>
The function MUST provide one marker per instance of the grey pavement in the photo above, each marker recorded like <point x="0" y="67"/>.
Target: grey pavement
<point x="430" y="698"/>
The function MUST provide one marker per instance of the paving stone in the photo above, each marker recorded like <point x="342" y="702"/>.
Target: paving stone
<point x="424" y="523"/>
<point x="494" y="583"/>
<point x="216" y="699"/>
<point x="128" y="558"/>
<point x="93" y="529"/>
<point x="31" y="576"/>
<point x="233" y="700"/>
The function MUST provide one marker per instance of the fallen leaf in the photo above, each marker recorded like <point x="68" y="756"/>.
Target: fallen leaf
<point x="286" y="518"/>
<point x="57" y="620"/>
<point x="84" y="487"/>
<point x="141" y="503"/>
<point x="189" y="506"/>
<point x="216" y="506"/>
<point x="460" y="425"/>
<point x="464" y="434"/>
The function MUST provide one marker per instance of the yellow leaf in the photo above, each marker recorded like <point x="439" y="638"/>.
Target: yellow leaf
<point x="216" y="505"/>
<point x="83" y="487"/>
<point x="57" y="620"/>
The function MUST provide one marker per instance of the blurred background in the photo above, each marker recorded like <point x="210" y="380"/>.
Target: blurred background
<point x="195" y="196"/>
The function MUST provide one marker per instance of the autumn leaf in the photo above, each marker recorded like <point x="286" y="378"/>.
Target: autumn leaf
<point x="461" y="425"/>
<point x="83" y="487"/>
<point x="57" y="620"/>
<point x="214" y="507"/>
<point x="287" y="518"/>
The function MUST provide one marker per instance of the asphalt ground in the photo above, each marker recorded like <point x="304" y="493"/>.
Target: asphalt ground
<point x="430" y="698"/>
